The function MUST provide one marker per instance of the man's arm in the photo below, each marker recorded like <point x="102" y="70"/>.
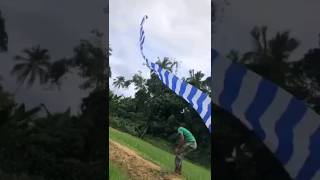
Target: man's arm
<point x="181" y="142"/>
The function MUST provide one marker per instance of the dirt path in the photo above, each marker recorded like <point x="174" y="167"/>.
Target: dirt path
<point x="137" y="167"/>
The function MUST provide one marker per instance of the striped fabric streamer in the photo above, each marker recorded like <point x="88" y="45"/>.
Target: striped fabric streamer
<point x="286" y="125"/>
<point x="198" y="99"/>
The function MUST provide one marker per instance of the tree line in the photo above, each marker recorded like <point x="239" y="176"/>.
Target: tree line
<point x="38" y="144"/>
<point x="156" y="111"/>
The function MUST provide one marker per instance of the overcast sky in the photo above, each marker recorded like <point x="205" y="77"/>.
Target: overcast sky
<point x="179" y="29"/>
<point x="57" y="26"/>
<point x="237" y="20"/>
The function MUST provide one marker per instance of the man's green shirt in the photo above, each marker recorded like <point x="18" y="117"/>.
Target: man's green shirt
<point x="188" y="136"/>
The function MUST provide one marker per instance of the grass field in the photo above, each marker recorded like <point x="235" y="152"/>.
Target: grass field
<point x="159" y="156"/>
<point x="115" y="173"/>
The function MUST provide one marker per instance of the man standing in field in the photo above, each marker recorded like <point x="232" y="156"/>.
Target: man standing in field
<point x="187" y="143"/>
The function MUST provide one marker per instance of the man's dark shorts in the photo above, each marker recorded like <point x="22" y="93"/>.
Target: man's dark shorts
<point x="184" y="150"/>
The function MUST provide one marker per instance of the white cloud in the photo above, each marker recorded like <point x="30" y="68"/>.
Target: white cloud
<point x="179" y="29"/>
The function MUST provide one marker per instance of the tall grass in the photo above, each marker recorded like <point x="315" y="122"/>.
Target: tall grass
<point x="159" y="156"/>
<point x="115" y="173"/>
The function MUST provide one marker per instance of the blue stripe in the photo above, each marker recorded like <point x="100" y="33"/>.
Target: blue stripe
<point x="142" y="41"/>
<point x="141" y="34"/>
<point x="208" y="114"/>
<point x="174" y="83"/>
<point x="142" y="21"/>
<point x="232" y="84"/>
<point x="191" y="94"/>
<point x="285" y="125"/>
<point x="153" y="68"/>
<point x="182" y="88"/>
<point x="200" y="101"/>
<point x="284" y="128"/>
<point x="166" y="75"/>
<point x="312" y="165"/>
<point x="266" y="92"/>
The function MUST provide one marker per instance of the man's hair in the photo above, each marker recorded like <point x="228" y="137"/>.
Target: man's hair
<point x="175" y="129"/>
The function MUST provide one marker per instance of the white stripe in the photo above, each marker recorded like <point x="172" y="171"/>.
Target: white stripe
<point x="187" y="92"/>
<point x="208" y="121"/>
<point x="301" y="141"/>
<point x="170" y="76"/>
<point x="178" y="86"/>
<point x="219" y="68"/>
<point x="205" y="104"/>
<point x="156" y="69"/>
<point x="246" y="95"/>
<point x="195" y="99"/>
<point x="272" y="114"/>
<point x="163" y="77"/>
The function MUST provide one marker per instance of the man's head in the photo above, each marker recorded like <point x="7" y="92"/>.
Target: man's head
<point x="175" y="129"/>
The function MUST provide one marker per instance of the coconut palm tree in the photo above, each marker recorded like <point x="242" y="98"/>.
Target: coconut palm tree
<point x="91" y="60"/>
<point x="119" y="82"/>
<point x="269" y="57"/>
<point x="139" y="81"/>
<point x="260" y="54"/>
<point x="195" y="78"/>
<point x="34" y="64"/>
<point x="168" y="64"/>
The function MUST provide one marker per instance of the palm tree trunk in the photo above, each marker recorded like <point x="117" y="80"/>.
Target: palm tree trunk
<point x="144" y="131"/>
<point x="46" y="109"/>
<point x="19" y="86"/>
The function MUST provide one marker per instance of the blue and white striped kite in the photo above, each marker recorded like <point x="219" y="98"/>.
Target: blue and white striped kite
<point x="286" y="125"/>
<point x="199" y="100"/>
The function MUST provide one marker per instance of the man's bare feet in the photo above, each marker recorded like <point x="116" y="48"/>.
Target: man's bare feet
<point x="178" y="171"/>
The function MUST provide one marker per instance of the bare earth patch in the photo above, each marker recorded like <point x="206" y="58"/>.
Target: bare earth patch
<point x="137" y="167"/>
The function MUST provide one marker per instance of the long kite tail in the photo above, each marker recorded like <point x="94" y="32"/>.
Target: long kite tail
<point x="285" y="124"/>
<point x="198" y="99"/>
<point x="142" y="39"/>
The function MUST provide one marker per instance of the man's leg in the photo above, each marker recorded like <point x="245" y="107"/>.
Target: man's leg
<point x="185" y="149"/>
<point x="178" y="163"/>
<point x="179" y="158"/>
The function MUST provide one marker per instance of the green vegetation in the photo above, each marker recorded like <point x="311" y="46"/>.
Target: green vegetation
<point x="155" y="111"/>
<point x="38" y="144"/>
<point x="116" y="173"/>
<point x="159" y="156"/>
